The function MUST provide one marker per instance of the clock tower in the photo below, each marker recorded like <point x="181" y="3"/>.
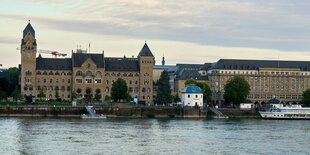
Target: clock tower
<point x="28" y="61"/>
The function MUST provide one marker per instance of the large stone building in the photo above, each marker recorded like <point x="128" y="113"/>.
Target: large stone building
<point x="86" y="74"/>
<point x="268" y="79"/>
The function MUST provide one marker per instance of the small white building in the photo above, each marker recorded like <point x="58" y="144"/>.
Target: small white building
<point x="246" y="104"/>
<point x="192" y="96"/>
<point x="275" y="103"/>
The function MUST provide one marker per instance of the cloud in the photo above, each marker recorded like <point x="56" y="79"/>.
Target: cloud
<point x="278" y="24"/>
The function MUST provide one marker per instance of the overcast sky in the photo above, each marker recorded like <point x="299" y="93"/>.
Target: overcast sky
<point x="195" y="31"/>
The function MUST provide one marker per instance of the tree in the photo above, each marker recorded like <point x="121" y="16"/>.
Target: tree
<point x="190" y="81"/>
<point x="176" y="98"/>
<point x="97" y="96"/>
<point x="306" y="98"/>
<point x="236" y="90"/>
<point x="107" y="98"/>
<point x="13" y="81"/>
<point x="41" y="94"/>
<point x="4" y="88"/>
<point x="73" y="95"/>
<point x="206" y="90"/>
<point x="119" y="90"/>
<point x="164" y="93"/>
<point x="16" y="94"/>
<point x="58" y="99"/>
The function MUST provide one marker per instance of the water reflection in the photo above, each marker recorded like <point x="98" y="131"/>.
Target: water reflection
<point x="153" y="136"/>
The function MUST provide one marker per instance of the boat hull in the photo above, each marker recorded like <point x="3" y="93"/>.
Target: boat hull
<point x="284" y="116"/>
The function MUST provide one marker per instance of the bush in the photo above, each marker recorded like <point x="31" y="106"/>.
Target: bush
<point x="150" y="115"/>
<point x="171" y="115"/>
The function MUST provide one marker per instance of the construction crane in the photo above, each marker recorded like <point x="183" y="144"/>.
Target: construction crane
<point x="54" y="53"/>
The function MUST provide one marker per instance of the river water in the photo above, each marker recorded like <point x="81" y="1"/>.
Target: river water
<point x="153" y="136"/>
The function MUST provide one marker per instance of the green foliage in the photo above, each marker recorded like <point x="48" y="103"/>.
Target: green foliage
<point x="16" y="94"/>
<point x="14" y="73"/>
<point x="97" y="96"/>
<point x="176" y="98"/>
<point x="4" y="88"/>
<point x="306" y="98"/>
<point x="150" y="115"/>
<point x="190" y="81"/>
<point x="41" y="94"/>
<point x="171" y="115"/>
<point x="164" y="93"/>
<point x="236" y="90"/>
<point x="119" y="90"/>
<point x="58" y="99"/>
<point x="107" y="98"/>
<point x="73" y="95"/>
<point x="206" y="90"/>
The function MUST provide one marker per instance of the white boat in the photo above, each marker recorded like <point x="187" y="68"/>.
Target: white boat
<point x="288" y="112"/>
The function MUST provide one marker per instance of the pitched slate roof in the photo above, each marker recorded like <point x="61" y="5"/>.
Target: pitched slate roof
<point x="79" y="58"/>
<point x="53" y="63"/>
<point x="121" y="64"/>
<point x="145" y="51"/>
<point x="27" y="29"/>
<point x="256" y="64"/>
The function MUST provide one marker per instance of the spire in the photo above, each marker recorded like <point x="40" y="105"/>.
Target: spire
<point x="163" y="61"/>
<point x="145" y="51"/>
<point x="27" y="29"/>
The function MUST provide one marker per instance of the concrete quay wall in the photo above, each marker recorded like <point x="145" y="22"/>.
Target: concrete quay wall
<point x="112" y="112"/>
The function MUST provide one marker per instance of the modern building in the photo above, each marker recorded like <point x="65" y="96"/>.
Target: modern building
<point x="192" y="96"/>
<point x="86" y="74"/>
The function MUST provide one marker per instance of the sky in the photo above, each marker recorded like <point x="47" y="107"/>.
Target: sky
<point x="195" y="31"/>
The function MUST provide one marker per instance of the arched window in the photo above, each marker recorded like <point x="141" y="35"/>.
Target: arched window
<point x="38" y="73"/>
<point x="98" y="91"/>
<point x="68" y="88"/>
<point x="89" y="73"/>
<point x="50" y="73"/>
<point x="56" y="88"/>
<point x="63" y="88"/>
<point x="143" y="90"/>
<point x="107" y="74"/>
<point x="136" y="89"/>
<point x="78" y="91"/>
<point x="136" y="74"/>
<point x="113" y="74"/>
<point x="63" y="73"/>
<point x="130" y="89"/>
<point x="130" y="75"/>
<point x="57" y="73"/>
<point x="125" y="74"/>
<point x="149" y="90"/>
<point x="69" y="74"/>
<point x="44" y="73"/>
<point x="98" y="73"/>
<point x="78" y="73"/>
<point x="28" y="73"/>
<point x="146" y="75"/>
<point x="118" y="74"/>
<point x="107" y="89"/>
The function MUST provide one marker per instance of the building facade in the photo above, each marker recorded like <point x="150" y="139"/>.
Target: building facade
<point x="192" y="96"/>
<point x="86" y="74"/>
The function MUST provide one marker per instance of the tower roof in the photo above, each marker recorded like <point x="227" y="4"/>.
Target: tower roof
<point x="191" y="89"/>
<point x="27" y="29"/>
<point x="145" y="51"/>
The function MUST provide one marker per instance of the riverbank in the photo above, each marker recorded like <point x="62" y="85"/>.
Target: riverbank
<point x="116" y="112"/>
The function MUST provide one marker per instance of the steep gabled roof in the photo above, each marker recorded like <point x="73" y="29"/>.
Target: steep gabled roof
<point x="79" y="58"/>
<point x="27" y="29"/>
<point x="53" y="63"/>
<point x="121" y="64"/>
<point x="145" y="51"/>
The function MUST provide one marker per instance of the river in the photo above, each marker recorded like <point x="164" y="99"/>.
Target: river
<point x="153" y="136"/>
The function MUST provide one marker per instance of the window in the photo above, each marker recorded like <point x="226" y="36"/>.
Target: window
<point x="69" y="80"/>
<point x="63" y="73"/>
<point x="44" y="73"/>
<point x="107" y="89"/>
<point x="57" y="73"/>
<point x="63" y="80"/>
<point x="97" y="80"/>
<point x="143" y="89"/>
<point x="68" y="88"/>
<point x="88" y="80"/>
<point x="56" y="80"/>
<point x="188" y="96"/>
<point x="38" y="80"/>
<point x="98" y="73"/>
<point x="56" y="88"/>
<point x="51" y="80"/>
<point x="88" y="73"/>
<point x="38" y="73"/>
<point x="136" y="82"/>
<point x="78" y="91"/>
<point x="78" y="80"/>
<point x="51" y="88"/>
<point x="196" y="96"/>
<point x="107" y="82"/>
<point x="78" y="73"/>
<point x="63" y="88"/>
<point x="28" y="73"/>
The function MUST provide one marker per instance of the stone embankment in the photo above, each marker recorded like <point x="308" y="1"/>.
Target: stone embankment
<point x="121" y="112"/>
